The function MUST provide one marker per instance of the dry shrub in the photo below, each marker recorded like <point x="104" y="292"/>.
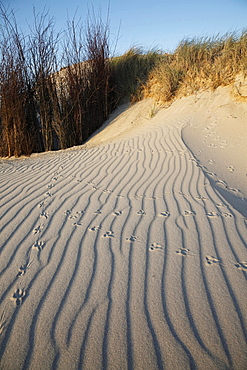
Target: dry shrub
<point x="18" y="122"/>
<point x="84" y="87"/>
<point x="39" y="109"/>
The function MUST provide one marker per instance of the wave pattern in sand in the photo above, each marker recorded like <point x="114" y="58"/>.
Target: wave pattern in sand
<point x="120" y="256"/>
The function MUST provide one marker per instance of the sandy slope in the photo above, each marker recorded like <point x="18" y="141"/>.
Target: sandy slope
<point x="130" y="252"/>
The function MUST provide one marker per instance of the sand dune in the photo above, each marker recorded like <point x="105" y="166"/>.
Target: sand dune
<point x="130" y="252"/>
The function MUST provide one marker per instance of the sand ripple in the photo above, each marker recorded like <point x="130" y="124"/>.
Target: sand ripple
<point x="120" y="256"/>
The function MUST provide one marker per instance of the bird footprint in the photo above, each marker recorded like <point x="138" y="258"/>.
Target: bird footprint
<point x="212" y="214"/>
<point x="38" y="245"/>
<point x="94" y="228"/>
<point x="183" y="251"/>
<point x="189" y="213"/>
<point x="38" y="229"/>
<point x="211" y="259"/>
<point x="241" y="265"/>
<point x="23" y="269"/>
<point x="44" y="214"/>
<point x="155" y="246"/>
<point x="18" y="296"/>
<point x="118" y="213"/>
<point x="109" y="234"/>
<point x="132" y="238"/>
<point x="165" y="214"/>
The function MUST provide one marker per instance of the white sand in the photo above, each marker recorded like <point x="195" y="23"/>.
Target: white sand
<point x="130" y="252"/>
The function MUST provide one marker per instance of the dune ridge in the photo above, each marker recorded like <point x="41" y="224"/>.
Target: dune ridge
<point x="123" y="254"/>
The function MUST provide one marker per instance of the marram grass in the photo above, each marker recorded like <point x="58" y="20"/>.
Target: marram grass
<point x="198" y="64"/>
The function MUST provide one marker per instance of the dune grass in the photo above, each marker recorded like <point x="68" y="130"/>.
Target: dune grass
<point x="129" y="72"/>
<point x="198" y="64"/>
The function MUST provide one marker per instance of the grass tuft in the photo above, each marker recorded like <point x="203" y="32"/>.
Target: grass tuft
<point x="130" y="72"/>
<point x="198" y="64"/>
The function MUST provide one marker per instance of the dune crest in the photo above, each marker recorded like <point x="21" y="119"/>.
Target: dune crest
<point x="130" y="251"/>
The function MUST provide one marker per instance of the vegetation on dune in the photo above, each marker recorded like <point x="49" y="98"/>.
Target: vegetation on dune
<point x="42" y="109"/>
<point x="198" y="64"/>
<point x="129" y="72"/>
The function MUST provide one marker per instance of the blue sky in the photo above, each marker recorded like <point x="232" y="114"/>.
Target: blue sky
<point x="152" y="23"/>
